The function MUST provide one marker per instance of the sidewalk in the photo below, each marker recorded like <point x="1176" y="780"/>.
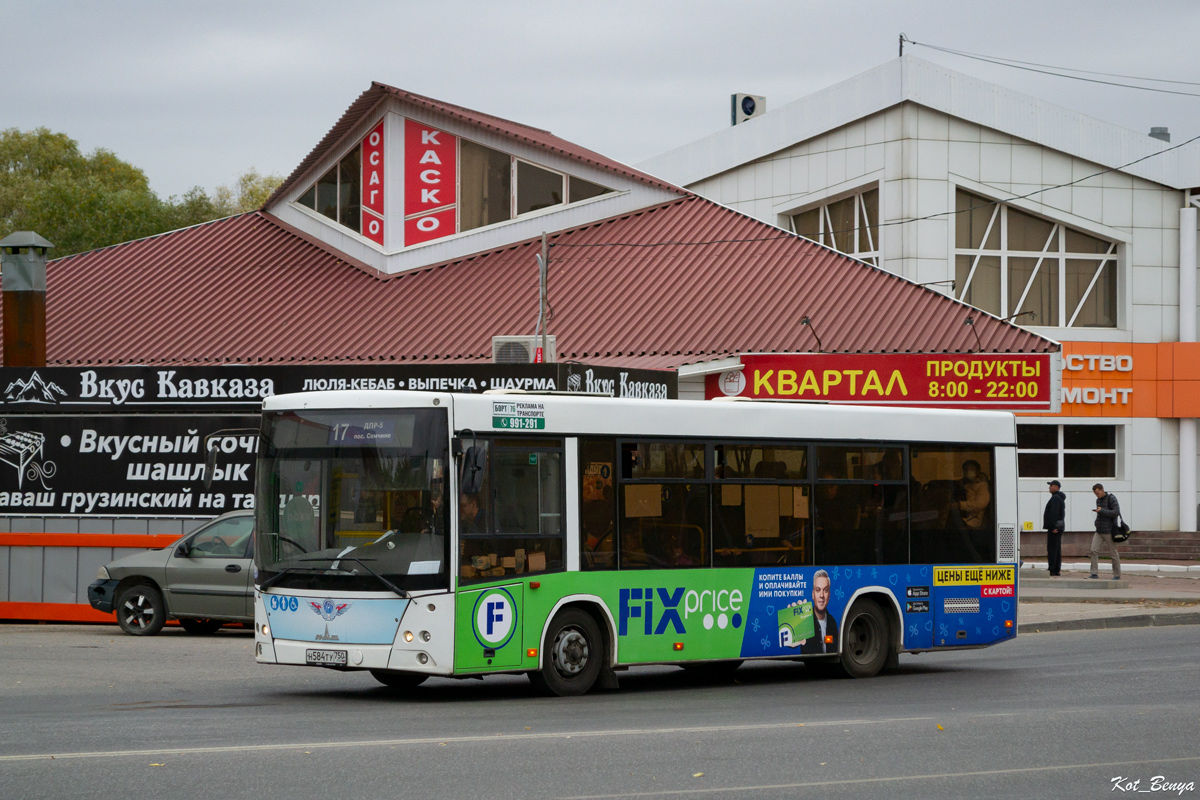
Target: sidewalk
<point x="1161" y="593"/>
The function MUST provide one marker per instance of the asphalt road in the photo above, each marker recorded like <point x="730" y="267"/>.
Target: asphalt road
<point x="90" y="712"/>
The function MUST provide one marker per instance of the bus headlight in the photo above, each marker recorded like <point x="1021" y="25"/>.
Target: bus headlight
<point x="425" y="637"/>
<point x="265" y="629"/>
<point x="408" y="637"/>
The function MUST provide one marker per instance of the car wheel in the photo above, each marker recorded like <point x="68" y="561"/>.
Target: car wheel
<point x="398" y="680"/>
<point x="201" y="627"/>
<point x="140" y="610"/>
<point x="572" y="655"/>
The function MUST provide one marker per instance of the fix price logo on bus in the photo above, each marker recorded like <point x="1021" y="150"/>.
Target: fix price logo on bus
<point x="720" y="607"/>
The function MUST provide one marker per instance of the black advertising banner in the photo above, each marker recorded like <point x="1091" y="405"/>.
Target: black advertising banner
<point x="125" y="466"/>
<point x="129" y="441"/>
<point x="216" y="389"/>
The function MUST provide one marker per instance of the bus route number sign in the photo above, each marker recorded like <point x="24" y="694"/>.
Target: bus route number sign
<point x="521" y="415"/>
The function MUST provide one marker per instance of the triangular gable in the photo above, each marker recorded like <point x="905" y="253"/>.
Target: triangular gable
<point x="400" y="171"/>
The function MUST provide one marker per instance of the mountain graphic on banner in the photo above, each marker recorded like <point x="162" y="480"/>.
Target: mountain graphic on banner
<point x="34" y="390"/>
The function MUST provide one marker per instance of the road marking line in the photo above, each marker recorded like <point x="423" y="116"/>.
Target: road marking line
<point x="893" y="779"/>
<point x="250" y="748"/>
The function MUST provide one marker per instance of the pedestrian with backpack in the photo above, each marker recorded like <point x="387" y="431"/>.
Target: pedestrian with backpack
<point x="1108" y="510"/>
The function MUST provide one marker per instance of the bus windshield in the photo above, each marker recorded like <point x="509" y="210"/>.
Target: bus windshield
<point x="353" y="500"/>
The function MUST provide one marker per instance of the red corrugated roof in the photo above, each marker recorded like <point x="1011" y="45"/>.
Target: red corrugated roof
<point x="527" y="134"/>
<point x="249" y="289"/>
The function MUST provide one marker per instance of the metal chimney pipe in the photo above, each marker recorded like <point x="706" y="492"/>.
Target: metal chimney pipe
<point x="1160" y="133"/>
<point x="23" y="271"/>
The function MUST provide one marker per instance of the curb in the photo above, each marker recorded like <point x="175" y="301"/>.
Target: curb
<point x="1191" y="599"/>
<point x="1133" y="621"/>
<point x="1132" y="567"/>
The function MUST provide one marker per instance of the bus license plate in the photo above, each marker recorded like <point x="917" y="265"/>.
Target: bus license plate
<point x="336" y="657"/>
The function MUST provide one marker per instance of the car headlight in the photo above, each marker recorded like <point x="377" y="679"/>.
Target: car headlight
<point x="102" y="574"/>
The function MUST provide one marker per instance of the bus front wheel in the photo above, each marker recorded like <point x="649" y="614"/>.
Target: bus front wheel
<point x="866" y="640"/>
<point x="571" y="655"/>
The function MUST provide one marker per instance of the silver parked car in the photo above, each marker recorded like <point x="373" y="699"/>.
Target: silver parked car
<point x="203" y="580"/>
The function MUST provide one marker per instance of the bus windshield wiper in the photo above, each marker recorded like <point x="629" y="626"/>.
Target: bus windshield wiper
<point x="362" y="562"/>
<point x="278" y="576"/>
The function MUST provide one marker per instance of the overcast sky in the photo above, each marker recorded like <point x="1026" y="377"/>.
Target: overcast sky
<point x="196" y="93"/>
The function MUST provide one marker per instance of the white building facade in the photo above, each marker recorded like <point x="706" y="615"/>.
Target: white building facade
<point x="1022" y="209"/>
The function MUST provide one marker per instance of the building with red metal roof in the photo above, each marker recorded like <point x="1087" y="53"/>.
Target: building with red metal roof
<point x="643" y="273"/>
<point x="409" y="236"/>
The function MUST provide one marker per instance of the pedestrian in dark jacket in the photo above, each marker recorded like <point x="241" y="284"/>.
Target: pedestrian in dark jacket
<point x="1107" y="510"/>
<point x="1053" y="521"/>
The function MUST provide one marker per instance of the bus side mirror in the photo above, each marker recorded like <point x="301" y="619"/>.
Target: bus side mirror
<point x="472" y="470"/>
<point x="210" y="466"/>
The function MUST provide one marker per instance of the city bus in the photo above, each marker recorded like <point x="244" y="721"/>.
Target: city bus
<point x="568" y="538"/>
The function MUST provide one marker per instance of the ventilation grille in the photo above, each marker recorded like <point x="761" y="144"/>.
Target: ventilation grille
<point x="1008" y="544"/>
<point x="961" y="605"/>
<point x="520" y="349"/>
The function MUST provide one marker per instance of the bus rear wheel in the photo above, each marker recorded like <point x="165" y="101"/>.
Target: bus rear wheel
<point x="571" y="655"/>
<point x="398" y="680"/>
<point x="866" y="639"/>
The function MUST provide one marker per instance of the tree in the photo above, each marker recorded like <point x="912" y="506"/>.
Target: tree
<point x="82" y="202"/>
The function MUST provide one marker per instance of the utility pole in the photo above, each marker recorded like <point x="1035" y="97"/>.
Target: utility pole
<point x="902" y="45"/>
<point x="543" y="274"/>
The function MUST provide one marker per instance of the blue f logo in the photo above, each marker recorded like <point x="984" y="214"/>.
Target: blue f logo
<point x="495" y="613"/>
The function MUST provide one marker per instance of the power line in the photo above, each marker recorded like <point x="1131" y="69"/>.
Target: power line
<point x="894" y="222"/>
<point x="1048" y="70"/>
<point x="681" y="244"/>
<point x="1065" y="69"/>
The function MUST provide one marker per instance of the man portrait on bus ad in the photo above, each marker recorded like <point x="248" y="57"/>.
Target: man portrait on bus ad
<point x="824" y="623"/>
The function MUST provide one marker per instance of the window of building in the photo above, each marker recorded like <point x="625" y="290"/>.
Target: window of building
<point x="578" y="189"/>
<point x="1008" y="262"/>
<point x="485" y="186"/>
<point x="337" y="193"/>
<point x="849" y="225"/>
<point x="496" y="187"/>
<point x="514" y="525"/>
<point x="493" y="187"/>
<point x="538" y="188"/>
<point x="1066" y="451"/>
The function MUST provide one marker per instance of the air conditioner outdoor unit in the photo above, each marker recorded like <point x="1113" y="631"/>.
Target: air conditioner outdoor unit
<point x="746" y="107"/>
<point x="520" y="349"/>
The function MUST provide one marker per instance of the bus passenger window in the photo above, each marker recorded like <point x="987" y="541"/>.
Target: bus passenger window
<point x="953" y="518"/>
<point x="664" y="525"/>
<point x="514" y="525"/>
<point x="761" y="525"/>
<point x="597" y="504"/>
<point x="861" y="523"/>
<point x="859" y="463"/>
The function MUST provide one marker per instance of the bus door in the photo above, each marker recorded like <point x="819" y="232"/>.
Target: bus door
<point x="488" y="628"/>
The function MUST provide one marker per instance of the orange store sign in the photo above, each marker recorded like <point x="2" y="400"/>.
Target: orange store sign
<point x="984" y="380"/>
<point x="1131" y="380"/>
